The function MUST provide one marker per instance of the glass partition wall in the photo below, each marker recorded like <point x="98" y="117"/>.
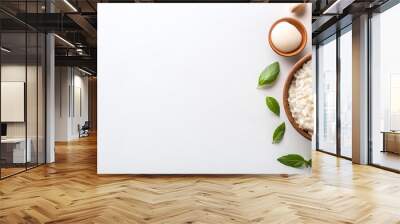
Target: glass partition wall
<point x="385" y="90"/>
<point x="327" y="95"/>
<point x="22" y="95"/>
<point x="13" y="110"/>
<point x="334" y="94"/>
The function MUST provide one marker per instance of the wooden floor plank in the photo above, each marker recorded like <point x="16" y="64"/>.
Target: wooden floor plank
<point x="70" y="191"/>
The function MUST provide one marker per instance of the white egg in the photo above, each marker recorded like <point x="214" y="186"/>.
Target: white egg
<point x="286" y="37"/>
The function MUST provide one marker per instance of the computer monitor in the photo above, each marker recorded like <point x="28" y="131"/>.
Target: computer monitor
<point x="3" y="129"/>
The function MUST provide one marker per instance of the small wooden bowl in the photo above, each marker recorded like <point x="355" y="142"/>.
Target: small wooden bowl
<point x="300" y="27"/>
<point x="288" y="81"/>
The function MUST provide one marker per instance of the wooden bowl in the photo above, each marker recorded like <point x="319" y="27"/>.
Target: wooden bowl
<point x="299" y="26"/>
<point x="288" y="81"/>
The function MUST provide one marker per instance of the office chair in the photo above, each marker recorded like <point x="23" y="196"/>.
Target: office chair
<point x="84" y="130"/>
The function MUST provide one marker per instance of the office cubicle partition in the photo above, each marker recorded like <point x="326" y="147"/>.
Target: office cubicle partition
<point x="22" y="90"/>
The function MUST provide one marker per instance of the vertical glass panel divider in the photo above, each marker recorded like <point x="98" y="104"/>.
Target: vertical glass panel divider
<point x="37" y="96"/>
<point x="37" y="88"/>
<point x="316" y="96"/>
<point x="1" y="123"/>
<point x="26" y="88"/>
<point x="369" y="77"/>
<point x="338" y="76"/>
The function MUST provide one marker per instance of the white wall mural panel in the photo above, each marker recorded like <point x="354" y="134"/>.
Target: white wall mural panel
<point x="12" y="101"/>
<point x="177" y="89"/>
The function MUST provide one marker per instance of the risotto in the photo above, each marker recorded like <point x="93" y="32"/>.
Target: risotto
<point x="300" y="99"/>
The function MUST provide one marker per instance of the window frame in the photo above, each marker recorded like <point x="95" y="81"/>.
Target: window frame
<point x="381" y="9"/>
<point x="334" y="37"/>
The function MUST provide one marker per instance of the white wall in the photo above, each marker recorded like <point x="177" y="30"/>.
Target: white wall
<point x="12" y="73"/>
<point x="18" y="73"/>
<point x="62" y="80"/>
<point x="68" y="82"/>
<point x="13" y="101"/>
<point x="79" y="117"/>
<point x="177" y="89"/>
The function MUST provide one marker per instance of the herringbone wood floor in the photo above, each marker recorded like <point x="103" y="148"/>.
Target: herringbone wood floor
<point x="70" y="191"/>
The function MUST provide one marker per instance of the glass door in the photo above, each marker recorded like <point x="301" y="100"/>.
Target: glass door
<point x="327" y="96"/>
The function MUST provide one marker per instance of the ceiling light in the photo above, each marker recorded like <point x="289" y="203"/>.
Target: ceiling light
<point x="65" y="41"/>
<point x="84" y="71"/>
<point x="70" y="5"/>
<point x="5" y="50"/>
<point x="79" y="51"/>
<point x="338" y="6"/>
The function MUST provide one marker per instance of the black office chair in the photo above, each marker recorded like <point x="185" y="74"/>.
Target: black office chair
<point x="84" y="130"/>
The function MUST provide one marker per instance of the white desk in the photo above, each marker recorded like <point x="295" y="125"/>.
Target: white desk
<point x="18" y="149"/>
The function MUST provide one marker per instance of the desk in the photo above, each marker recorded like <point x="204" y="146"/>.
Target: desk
<point x="391" y="141"/>
<point x="13" y="150"/>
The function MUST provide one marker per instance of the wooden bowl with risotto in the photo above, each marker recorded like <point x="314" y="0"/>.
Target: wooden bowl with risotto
<point x="290" y="78"/>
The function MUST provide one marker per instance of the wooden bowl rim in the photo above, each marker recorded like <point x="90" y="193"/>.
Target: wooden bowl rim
<point x="300" y="27"/>
<point x="286" y="87"/>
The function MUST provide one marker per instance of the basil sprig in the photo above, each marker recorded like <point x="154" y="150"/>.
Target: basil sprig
<point x="269" y="74"/>
<point x="279" y="133"/>
<point x="273" y="105"/>
<point x="295" y="161"/>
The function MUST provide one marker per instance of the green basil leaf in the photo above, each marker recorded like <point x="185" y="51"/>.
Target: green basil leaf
<point x="293" y="160"/>
<point x="273" y="105"/>
<point x="279" y="133"/>
<point x="309" y="163"/>
<point x="269" y="75"/>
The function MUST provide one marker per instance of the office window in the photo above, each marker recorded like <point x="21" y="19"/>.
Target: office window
<point x="327" y="96"/>
<point x="385" y="89"/>
<point x="346" y="93"/>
